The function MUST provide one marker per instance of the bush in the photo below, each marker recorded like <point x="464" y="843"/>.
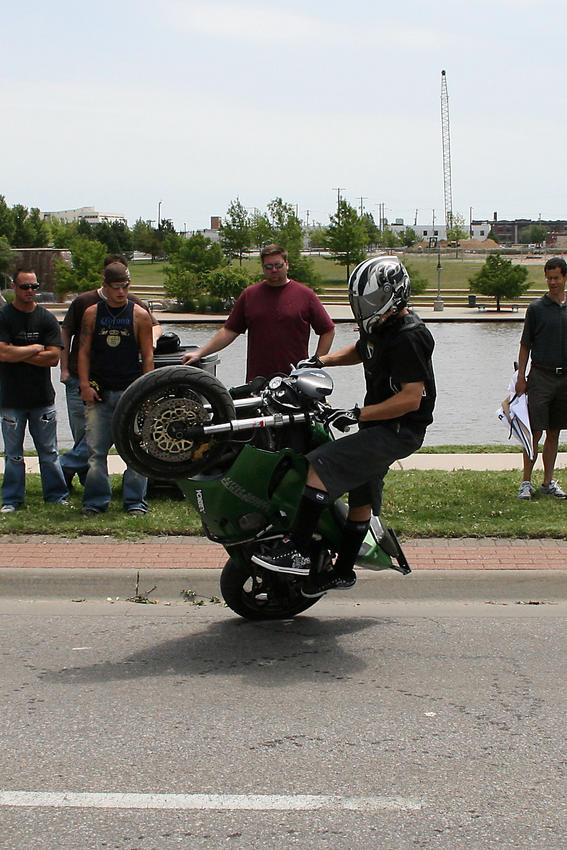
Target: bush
<point x="226" y="284"/>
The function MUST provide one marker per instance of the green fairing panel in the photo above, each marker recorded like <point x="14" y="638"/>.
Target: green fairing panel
<point x="245" y="489"/>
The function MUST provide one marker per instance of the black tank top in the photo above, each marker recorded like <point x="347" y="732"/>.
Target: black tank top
<point x="115" y="354"/>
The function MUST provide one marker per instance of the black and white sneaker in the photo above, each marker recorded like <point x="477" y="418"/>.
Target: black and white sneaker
<point x="319" y="584"/>
<point x="285" y="558"/>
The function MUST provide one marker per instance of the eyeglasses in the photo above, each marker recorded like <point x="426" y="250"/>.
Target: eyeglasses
<point x="270" y="266"/>
<point x="124" y="285"/>
<point x="28" y="286"/>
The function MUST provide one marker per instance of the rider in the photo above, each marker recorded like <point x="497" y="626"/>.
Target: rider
<point x="395" y="349"/>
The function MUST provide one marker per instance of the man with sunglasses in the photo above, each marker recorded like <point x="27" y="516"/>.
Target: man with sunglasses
<point x="30" y="344"/>
<point x="278" y="314"/>
<point x="75" y="461"/>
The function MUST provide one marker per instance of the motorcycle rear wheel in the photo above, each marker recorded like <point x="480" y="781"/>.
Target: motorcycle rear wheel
<point x="260" y="594"/>
<point x="149" y="420"/>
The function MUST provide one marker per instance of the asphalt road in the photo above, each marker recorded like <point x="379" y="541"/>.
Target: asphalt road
<point x="425" y="722"/>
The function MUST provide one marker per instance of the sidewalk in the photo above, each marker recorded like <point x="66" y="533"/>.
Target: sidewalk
<point x="423" y="461"/>
<point x="341" y="313"/>
<point x="188" y="553"/>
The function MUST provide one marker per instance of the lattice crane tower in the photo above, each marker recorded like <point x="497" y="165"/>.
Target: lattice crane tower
<point x="446" y="136"/>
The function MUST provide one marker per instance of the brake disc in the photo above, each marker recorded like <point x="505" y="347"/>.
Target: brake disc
<point x="163" y="428"/>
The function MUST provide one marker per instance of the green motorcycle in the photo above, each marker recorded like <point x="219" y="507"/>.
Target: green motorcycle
<point x="239" y="457"/>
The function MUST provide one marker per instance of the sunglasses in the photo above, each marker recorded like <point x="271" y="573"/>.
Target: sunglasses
<point x="124" y="285"/>
<point x="26" y="286"/>
<point x="270" y="266"/>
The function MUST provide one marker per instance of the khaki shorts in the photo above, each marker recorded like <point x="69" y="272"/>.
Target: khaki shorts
<point x="547" y="400"/>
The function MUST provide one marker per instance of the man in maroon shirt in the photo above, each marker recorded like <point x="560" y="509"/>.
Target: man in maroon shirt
<point x="278" y="314"/>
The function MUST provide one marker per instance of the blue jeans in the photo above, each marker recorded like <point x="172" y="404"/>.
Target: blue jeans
<point x="76" y="460"/>
<point x="99" y="440"/>
<point x="42" y="422"/>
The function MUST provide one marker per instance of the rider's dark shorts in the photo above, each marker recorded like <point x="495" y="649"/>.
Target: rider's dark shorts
<point x="547" y="400"/>
<point x="357" y="463"/>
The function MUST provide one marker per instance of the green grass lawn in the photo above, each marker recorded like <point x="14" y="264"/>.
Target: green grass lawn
<point x="455" y="272"/>
<point x="416" y="504"/>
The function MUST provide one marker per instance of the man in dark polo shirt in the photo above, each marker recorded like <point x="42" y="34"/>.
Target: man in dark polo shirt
<point x="545" y="338"/>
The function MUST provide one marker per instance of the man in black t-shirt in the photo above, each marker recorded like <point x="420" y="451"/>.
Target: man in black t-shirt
<point x="395" y="349"/>
<point x="30" y="344"/>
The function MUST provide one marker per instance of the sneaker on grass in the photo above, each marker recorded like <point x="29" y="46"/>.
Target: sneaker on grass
<point x="553" y="489"/>
<point x="319" y="585"/>
<point x="284" y="558"/>
<point x="526" y="490"/>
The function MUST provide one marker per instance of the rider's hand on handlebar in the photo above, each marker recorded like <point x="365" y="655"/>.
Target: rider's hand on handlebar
<point x="314" y="362"/>
<point x="343" y="420"/>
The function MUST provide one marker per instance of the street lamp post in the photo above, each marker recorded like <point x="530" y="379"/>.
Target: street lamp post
<point x="438" y="303"/>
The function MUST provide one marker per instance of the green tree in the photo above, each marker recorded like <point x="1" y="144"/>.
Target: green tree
<point x="318" y="238"/>
<point x="408" y="237"/>
<point x="457" y="231"/>
<point x="185" y="273"/>
<point x="419" y="283"/>
<point x="86" y="269"/>
<point x="226" y="284"/>
<point x="347" y="236"/>
<point x="151" y="240"/>
<point x="236" y="231"/>
<point x="262" y="232"/>
<point x="7" y="225"/>
<point x="499" y="279"/>
<point x="6" y="261"/>
<point x="372" y="230"/>
<point x="387" y="239"/>
<point x="286" y="229"/>
<point x="535" y="234"/>
<point x="30" y="231"/>
<point x="116" y="235"/>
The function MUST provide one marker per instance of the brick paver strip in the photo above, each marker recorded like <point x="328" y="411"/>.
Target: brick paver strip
<point x="197" y="553"/>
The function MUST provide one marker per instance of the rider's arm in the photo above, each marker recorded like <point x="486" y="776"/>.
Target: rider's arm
<point x="221" y="339"/>
<point x="405" y="401"/>
<point x="348" y="356"/>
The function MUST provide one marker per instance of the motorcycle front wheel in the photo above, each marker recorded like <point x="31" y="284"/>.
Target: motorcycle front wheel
<point x="153" y="414"/>
<point x="258" y="594"/>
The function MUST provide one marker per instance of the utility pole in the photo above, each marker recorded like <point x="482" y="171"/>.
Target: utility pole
<point x="306" y="218"/>
<point x="338" y="191"/>
<point x="361" y="199"/>
<point x="415" y="219"/>
<point x="446" y="139"/>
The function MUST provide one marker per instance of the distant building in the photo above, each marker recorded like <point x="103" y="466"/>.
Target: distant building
<point x="84" y="213"/>
<point x="426" y="232"/>
<point x="508" y="232"/>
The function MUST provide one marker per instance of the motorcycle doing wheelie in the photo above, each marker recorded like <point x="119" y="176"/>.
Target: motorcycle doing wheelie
<point x="239" y="458"/>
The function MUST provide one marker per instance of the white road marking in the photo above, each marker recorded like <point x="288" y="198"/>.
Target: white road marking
<point x="235" y="802"/>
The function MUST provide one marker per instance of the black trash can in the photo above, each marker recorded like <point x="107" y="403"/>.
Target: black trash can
<point x="207" y="364"/>
<point x="472" y="299"/>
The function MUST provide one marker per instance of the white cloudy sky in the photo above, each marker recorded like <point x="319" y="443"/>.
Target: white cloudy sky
<point x="121" y="104"/>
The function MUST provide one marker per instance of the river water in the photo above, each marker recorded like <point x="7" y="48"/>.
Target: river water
<point x="473" y="364"/>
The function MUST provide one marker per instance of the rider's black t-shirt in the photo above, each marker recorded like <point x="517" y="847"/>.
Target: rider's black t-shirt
<point x="399" y="352"/>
